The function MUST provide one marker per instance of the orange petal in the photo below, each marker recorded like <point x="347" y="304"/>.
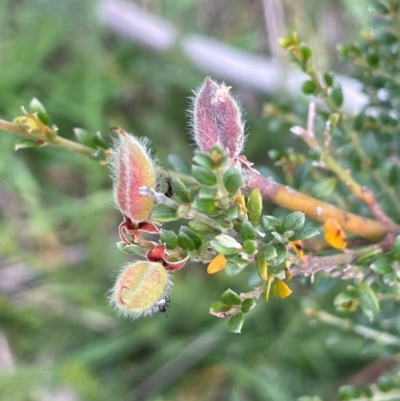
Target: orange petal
<point x="217" y="264"/>
<point x="334" y="234"/>
<point x="241" y="202"/>
<point x="298" y="248"/>
<point x="280" y="289"/>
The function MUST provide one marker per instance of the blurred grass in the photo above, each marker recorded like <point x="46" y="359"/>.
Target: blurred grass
<point x="59" y="228"/>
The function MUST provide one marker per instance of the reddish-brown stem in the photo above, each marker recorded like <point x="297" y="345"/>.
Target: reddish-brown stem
<point x="315" y="209"/>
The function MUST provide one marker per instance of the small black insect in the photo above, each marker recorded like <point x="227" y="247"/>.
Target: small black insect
<point x="163" y="304"/>
<point x="169" y="192"/>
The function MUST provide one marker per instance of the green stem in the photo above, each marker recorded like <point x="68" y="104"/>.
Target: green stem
<point x="348" y="325"/>
<point x="192" y="213"/>
<point x="222" y="194"/>
<point x="58" y="141"/>
<point x="352" y="136"/>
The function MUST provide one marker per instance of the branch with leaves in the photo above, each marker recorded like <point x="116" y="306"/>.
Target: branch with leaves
<point x="222" y="204"/>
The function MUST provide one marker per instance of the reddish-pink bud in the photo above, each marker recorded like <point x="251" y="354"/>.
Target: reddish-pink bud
<point x="217" y="119"/>
<point x="132" y="168"/>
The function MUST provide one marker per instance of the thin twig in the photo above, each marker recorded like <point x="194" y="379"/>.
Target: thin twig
<point x="192" y="213"/>
<point x="58" y="141"/>
<point x="348" y="325"/>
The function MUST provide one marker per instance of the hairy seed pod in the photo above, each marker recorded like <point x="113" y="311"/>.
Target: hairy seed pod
<point x="217" y="119"/>
<point x="132" y="167"/>
<point x="141" y="289"/>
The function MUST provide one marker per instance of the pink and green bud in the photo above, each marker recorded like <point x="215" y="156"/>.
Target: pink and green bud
<point x="132" y="168"/>
<point x="217" y="119"/>
<point x="141" y="289"/>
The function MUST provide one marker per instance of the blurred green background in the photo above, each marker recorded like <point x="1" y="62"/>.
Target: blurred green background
<point x="59" y="338"/>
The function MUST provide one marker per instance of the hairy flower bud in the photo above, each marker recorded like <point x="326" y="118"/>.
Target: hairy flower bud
<point x="217" y="119"/>
<point x="141" y="289"/>
<point x="132" y="167"/>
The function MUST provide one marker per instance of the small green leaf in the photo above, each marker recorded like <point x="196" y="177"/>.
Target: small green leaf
<point x="183" y="210"/>
<point x="390" y="278"/>
<point x="381" y="8"/>
<point x="181" y="190"/>
<point x="274" y="155"/>
<point x="239" y="260"/>
<point x="246" y="231"/>
<point x="185" y="242"/>
<point x="235" y="323"/>
<point x="219" y="307"/>
<point x="248" y="304"/>
<point x="373" y="59"/>
<point x="203" y="160"/>
<point x="131" y="249"/>
<point x="305" y="233"/>
<point x="271" y="223"/>
<point x="278" y="236"/>
<point x="328" y="79"/>
<point x="268" y="251"/>
<point x="197" y="241"/>
<point x="284" y="42"/>
<point x="349" y="392"/>
<point x="353" y="291"/>
<point x="333" y="119"/>
<point x="228" y="241"/>
<point x="350" y="52"/>
<point x="207" y="193"/>
<point x="204" y="176"/>
<point x="395" y="249"/>
<point x="206" y="206"/>
<point x="163" y="213"/>
<point x="232" y="212"/>
<point x="382" y="265"/>
<point x="308" y="87"/>
<point x="36" y="106"/>
<point x="25" y="143"/>
<point x="232" y="269"/>
<point x="232" y="180"/>
<point x="169" y="238"/>
<point x="231" y="298"/>
<point x="323" y="188"/>
<point x="84" y="137"/>
<point x="280" y="253"/>
<point x="346" y="303"/>
<point x="254" y="206"/>
<point x="386" y="38"/>
<point x="293" y="221"/>
<point x="262" y="266"/>
<point x="336" y="95"/>
<point x="222" y="249"/>
<point x="306" y="52"/>
<point x="201" y="228"/>
<point x="250" y="246"/>
<point x="224" y="224"/>
<point x="99" y="141"/>
<point x="368" y="301"/>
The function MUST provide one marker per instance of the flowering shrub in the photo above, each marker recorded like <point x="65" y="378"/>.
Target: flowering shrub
<point x="342" y="219"/>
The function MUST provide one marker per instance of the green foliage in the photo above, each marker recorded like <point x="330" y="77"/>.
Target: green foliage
<point x="59" y="223"/>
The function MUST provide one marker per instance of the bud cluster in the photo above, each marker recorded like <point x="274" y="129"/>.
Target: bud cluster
<point x="225" y="230"/>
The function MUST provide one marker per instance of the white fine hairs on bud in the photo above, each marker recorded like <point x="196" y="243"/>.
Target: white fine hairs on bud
<point x="215" y="117"/>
